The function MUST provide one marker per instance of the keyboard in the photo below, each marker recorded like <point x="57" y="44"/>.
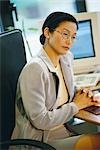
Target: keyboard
<point x="86" y="80"/>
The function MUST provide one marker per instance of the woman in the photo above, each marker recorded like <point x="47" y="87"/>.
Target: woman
<point x="46" y="97"/>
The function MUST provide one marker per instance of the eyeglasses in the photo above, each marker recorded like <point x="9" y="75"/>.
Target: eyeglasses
<point x="66" y="34"/>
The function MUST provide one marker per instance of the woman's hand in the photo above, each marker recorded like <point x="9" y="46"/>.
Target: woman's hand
<point x="96" y="97"/>
<point x="84" y="98"/>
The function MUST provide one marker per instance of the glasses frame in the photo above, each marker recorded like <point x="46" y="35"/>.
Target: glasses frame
<point x="65" y="36"/>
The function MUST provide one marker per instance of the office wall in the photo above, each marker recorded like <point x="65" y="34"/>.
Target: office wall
<point x="93" y="5"/>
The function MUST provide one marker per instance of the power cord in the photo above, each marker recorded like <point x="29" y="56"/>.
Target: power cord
<point x="23" y="29"/>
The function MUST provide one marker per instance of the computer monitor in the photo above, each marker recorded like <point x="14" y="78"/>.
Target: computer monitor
<point x="86" y="49"/>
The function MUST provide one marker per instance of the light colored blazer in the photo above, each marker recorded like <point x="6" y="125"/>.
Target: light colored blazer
<point x="36" y="101"/>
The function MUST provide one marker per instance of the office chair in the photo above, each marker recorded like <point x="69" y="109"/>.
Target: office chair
<point x="12" y="60"/>
<point x="25" y="144"/>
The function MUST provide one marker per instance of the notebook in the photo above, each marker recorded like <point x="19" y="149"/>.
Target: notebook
<point x="93" y="109"/>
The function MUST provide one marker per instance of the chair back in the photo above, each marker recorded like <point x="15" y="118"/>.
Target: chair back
<point x="12" y="60"/>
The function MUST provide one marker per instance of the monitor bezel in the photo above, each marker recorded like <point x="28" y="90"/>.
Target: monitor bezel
<point x="86" y="65"/>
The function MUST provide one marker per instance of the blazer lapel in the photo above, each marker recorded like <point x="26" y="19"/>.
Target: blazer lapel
<point x="66" y="69"/>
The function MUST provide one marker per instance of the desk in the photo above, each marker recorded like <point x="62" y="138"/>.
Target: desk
<point x="89" y="117"/>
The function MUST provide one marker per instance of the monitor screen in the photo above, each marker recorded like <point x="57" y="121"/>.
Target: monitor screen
<point x="84" y="45"/>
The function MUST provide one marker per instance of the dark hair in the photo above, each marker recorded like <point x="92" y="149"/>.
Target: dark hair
<point x="53" y="21"/>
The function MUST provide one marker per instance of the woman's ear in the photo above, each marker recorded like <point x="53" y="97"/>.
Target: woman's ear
<point x="46" y="32"/>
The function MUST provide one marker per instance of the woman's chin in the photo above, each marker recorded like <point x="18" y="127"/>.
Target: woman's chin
<point x="64" y="52"/>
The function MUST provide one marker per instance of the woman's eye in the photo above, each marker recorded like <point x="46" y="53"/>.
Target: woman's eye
<point x="74" y="37"/>
<point x="65" y="34"/>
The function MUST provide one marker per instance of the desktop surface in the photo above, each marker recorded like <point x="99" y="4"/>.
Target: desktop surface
<point x="90" y="116"/>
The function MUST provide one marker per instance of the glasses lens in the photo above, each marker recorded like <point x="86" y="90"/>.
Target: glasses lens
<point x="65" y="35"/>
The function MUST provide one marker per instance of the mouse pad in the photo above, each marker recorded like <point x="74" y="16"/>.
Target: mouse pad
<point x="93" y="109"/>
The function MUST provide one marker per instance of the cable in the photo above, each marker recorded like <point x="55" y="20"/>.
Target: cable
<point x="23" y="28"/>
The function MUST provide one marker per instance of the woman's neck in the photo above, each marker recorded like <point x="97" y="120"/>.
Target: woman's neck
<point x="52" y="55"/>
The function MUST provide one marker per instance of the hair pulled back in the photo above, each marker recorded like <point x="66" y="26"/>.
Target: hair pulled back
<point x="53" y="21"/>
